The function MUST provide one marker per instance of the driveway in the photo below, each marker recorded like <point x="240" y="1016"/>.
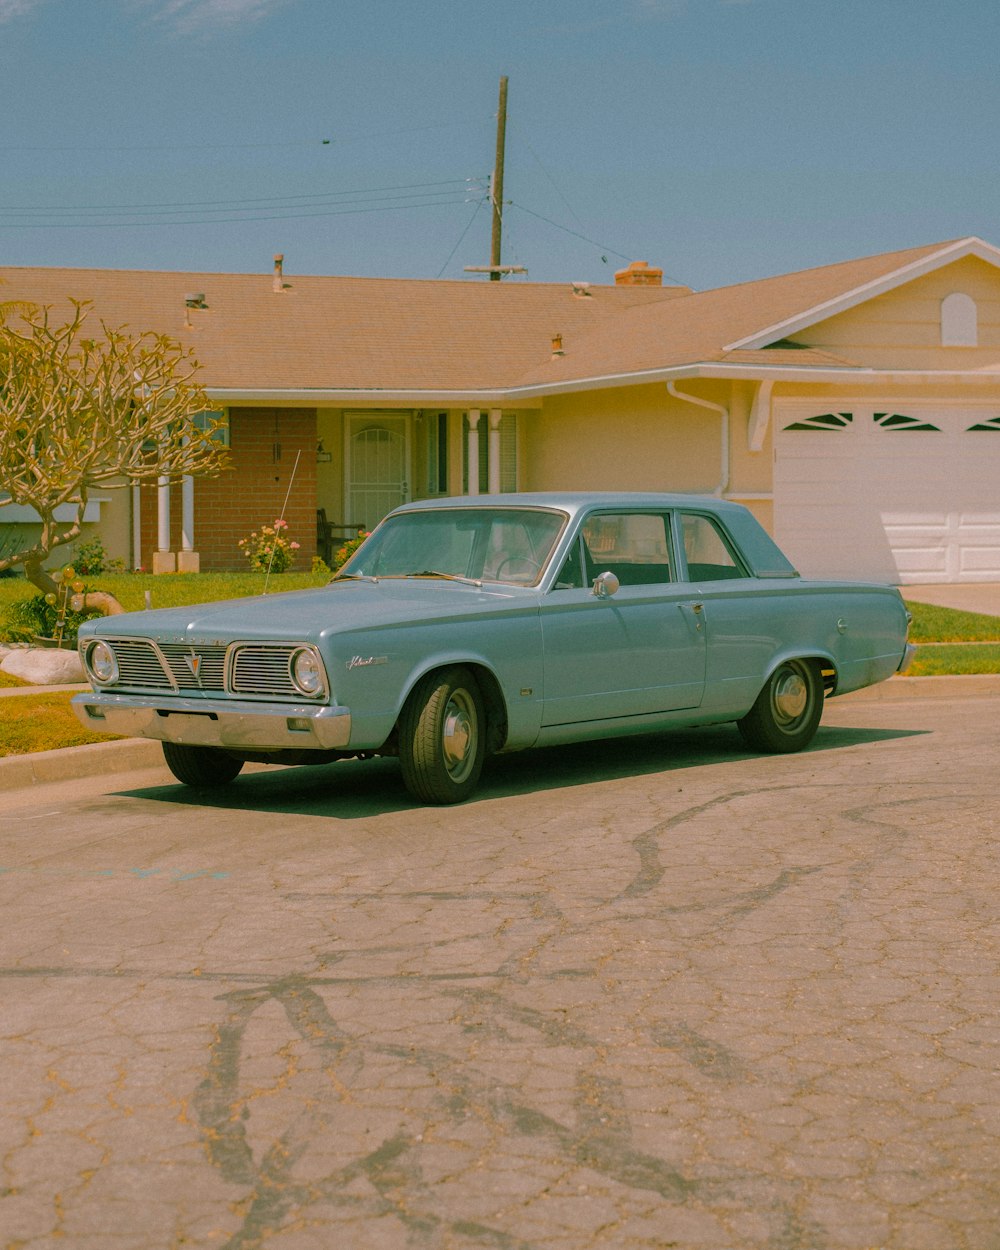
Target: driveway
<point x="968" y="596"/>
<point x="658" y="993"/>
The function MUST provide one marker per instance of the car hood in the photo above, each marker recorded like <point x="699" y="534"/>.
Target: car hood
<point x="338" y="607"/>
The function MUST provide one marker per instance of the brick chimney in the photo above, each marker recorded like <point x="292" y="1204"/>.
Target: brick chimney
<point x="639" y="274"/>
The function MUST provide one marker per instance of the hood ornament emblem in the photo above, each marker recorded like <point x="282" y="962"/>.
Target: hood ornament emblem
<point x="193" y="661"/>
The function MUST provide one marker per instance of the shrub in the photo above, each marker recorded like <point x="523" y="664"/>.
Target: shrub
<point x="28" y="619"/>
<point x="344" y="553"/>
<point x="90" y="558"/>
<point x="270" y="549"/>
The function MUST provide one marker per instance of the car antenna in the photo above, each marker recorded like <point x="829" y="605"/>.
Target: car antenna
<point x="274" y="545"/>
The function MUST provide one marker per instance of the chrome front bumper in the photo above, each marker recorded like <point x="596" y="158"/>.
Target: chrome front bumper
<point x="216" y="722"/>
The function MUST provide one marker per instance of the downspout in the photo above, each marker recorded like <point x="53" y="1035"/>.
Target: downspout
<point x="723" y="412"/>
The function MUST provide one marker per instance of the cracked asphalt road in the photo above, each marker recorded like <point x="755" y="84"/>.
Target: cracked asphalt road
<point x="658" y="993"/>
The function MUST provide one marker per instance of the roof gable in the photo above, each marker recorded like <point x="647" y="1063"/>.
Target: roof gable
<point x="910" y="265"/>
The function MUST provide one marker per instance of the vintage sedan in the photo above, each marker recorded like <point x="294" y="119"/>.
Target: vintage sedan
<point x="469" y="626"/>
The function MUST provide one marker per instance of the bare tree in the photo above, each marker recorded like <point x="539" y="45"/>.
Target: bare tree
<point x="79" y="412"/>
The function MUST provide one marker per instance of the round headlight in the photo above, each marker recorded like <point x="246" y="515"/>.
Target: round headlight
<point x="307" y="672"/>
<point x="102" y="663"/>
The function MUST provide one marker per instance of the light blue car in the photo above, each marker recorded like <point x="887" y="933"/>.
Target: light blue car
<point x="469" y="626"/>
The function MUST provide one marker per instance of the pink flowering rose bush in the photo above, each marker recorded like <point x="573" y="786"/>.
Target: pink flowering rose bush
<point x="269" y="548"/>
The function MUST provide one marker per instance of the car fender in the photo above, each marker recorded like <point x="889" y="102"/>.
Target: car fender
<point x="820" y="655"/>
<point x="521" y="705"/>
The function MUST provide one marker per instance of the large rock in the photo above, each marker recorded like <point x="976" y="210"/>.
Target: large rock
<point x="42" y="666"/>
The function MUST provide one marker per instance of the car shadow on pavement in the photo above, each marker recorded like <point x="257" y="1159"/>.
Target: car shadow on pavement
<point x="355" y="789"/>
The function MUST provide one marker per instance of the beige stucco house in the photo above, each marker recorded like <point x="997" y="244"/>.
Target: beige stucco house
<point x="854" y="407"/>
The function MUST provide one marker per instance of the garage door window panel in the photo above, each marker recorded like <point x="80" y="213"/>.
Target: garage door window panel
<point x="898" y="421"/>
<point x="825" y="421"/>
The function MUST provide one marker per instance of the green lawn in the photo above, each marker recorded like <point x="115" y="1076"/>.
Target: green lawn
<point x="41" y="722"/>
<point x="945" y="660"/>
<point x="934" y="630"/>
<point x="169" y="590"/>
<point x="933" y="624"/>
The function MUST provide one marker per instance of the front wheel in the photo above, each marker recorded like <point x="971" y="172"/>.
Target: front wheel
<point x="204" y="767"/>
<point x="787" y="711"/>
<point x="442" y="737"/>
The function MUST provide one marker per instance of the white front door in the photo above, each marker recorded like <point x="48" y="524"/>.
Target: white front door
<point x="376" y="461"/>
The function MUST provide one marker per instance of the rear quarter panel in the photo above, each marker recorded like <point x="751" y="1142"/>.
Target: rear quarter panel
<point x="753" y="625"/>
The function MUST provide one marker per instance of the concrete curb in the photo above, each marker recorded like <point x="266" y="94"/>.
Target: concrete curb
<point x="955" y="686"/>
<point x="20" y="771"/>
<point x="17" y="772"/>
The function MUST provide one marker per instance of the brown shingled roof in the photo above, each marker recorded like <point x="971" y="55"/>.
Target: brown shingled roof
<point x="394" y="334"/>
<point x="333" y="332"/>
<point x="697" y="328"/>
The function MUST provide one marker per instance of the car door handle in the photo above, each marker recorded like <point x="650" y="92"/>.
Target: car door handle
<point x="697" y="607"/>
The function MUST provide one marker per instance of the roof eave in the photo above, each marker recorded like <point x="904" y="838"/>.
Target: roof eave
<point x="523" y="396"/>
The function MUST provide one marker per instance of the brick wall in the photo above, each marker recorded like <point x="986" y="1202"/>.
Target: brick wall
<point x="263" y="443"/>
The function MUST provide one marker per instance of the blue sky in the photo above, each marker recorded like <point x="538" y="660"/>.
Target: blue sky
<point x="723" y="140"/>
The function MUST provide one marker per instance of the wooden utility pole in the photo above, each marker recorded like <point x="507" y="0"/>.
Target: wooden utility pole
<point x="497" y="187"/>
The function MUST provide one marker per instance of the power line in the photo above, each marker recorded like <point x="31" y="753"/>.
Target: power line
<point x="336" y="212"/>
<point x="578" y="235"/>
<point x="566" y="230"/>
<point x="555" y="186"/>
<point x="475" y="214"/>
<point x="273" y="200"/>
<point x="226" y="147"/>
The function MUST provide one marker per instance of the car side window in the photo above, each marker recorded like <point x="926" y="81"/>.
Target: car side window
<point x="635" y="546"/>
<point x="708" y="554"/>
<point x="571" y="574"/>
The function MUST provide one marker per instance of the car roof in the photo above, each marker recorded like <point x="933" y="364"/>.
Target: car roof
<point x="758" y="548"/>
<point x="577" y="501"/>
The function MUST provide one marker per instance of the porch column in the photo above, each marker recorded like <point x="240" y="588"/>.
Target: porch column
<point x="188" y="560"/>
<point x="494" y="451"/>
<point x="164" y="560"/>
<point x="473" y="453"/>
<point x="136" y="526"/>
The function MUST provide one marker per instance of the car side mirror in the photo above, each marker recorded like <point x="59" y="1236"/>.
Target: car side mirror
<point x="606" y="585"/>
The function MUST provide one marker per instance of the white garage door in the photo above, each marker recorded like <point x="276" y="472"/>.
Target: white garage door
<point x="902" y="493"/>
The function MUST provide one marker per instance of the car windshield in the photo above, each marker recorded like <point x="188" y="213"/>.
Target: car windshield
<point x="510" y="545"/>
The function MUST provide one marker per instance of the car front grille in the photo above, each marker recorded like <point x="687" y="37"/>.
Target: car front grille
<point x="195" y="668"/>
<point x="261" y="669"/>
<point x="140" y="665"/>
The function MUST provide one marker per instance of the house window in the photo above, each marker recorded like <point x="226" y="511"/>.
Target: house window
<point x="436" y="425"/>
<point x="508" y="453"/>
<point x="220" y="417"/>
<point x="959" y="321"/>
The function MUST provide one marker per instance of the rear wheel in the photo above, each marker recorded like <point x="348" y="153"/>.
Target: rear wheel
<point x="442" y="737"/>
<point x="787" y="712"/>
<point x="205" y="767"/>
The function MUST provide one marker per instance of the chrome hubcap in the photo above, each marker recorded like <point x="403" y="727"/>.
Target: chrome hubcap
<point x="458" y="738"/>
<point x="790" y="697"/>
